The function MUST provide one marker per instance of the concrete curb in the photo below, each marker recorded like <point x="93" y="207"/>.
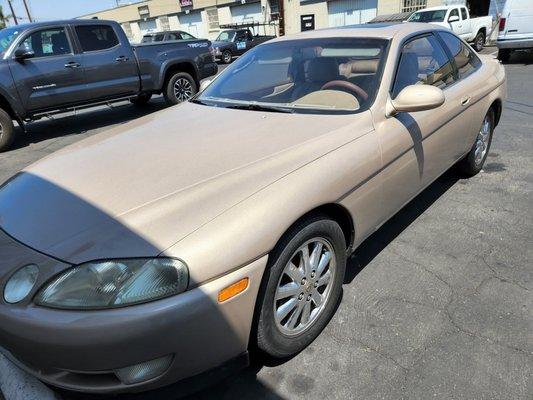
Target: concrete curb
<point x="16" y="384"/>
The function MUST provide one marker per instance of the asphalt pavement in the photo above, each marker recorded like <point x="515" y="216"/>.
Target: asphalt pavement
<point x="437" y="304"/>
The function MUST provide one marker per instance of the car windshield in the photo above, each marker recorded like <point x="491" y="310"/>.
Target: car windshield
<point x="329" y="75"/>
<point x="225" y="36"/>
<point x="428" y="16"/>
<point x="6" y="37"/>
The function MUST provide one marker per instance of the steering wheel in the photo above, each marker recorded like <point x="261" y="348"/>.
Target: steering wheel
<point x="352" y="87"/>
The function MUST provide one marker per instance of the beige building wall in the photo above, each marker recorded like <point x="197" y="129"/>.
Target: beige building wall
<point x="294" y="9"/>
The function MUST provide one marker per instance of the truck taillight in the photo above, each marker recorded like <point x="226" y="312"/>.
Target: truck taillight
<point x="502" y="24"/>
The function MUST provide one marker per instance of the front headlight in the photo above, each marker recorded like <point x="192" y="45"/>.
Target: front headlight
<point x="115" y="283"/>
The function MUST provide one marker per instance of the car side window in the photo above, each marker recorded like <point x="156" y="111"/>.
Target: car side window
<point x="454" y="13"/>
<point x="241" y="36"/>
<point x="173" y="36"/>
<point x="96" y="37"/>
<point x="159" y="37"/>
<point x="423" y="62"/>
<point x="48" y="42"/>
<point x="463" y="13"/>
<point x="186" y="36"/>
<point x="465" y="59"/>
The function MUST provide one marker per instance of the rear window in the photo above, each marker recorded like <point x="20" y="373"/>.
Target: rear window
<point x="96" y="37"/>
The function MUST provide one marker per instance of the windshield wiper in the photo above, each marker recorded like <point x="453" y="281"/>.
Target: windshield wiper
<point x="258" y="107"/>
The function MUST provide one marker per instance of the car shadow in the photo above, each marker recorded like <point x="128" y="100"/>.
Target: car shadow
<point x="520" y="57"/>
<point x="83" y="121"/>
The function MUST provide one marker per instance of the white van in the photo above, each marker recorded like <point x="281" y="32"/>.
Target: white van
<point x="516" y="27"/>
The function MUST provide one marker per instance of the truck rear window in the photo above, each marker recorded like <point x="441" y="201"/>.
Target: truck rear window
<point x="96" y="37"/>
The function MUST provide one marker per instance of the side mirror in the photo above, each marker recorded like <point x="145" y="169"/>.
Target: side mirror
<point x="453" y="18"/>
<point x="416" y="98"/>
<point x="205" y="84"/>
<point x="23" y="53"/>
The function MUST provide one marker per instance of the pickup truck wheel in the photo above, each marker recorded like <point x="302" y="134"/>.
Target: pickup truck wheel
<point x="180" y="87"/>
<point x="227" y="56"/>
<point x="504" y="55"/>
<point x="301" y="286"/>
<point x="7" y="131"/>
<point x="479" y="41"/>
<point x="141" y="99"/>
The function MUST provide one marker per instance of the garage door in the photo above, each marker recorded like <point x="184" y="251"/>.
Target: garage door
<point x="350" y="12"/>
<point x="147" y="26"/>
<point x="246" y="13"/>
<point x="192" y="23"/>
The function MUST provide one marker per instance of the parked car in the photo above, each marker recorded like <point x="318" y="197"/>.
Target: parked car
<point x="235" y="42"/>
<point x="163" y="248"/>
<point x="457" y="18"/>
<point x="166" y="36"/>
<point x="52" y="67"/>
<point x="516" y="28"/>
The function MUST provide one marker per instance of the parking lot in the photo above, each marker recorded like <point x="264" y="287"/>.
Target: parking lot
<point x="437" y="304"/>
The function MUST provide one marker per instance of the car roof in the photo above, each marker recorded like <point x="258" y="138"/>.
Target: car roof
<point x="377" y="31"/>
<point x="161" y="32"/>
<point x="441" y="7"/>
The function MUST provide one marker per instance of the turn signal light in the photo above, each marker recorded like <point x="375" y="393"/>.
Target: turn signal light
<point x="233" y="290"/>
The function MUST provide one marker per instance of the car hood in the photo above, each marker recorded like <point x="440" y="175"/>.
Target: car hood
<point x="137" y="189"/>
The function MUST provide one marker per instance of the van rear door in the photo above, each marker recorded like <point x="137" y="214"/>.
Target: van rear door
<point x="519" y="23"/>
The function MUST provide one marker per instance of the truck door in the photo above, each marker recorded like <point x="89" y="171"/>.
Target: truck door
<point x="242" y="42"/>
<point x="54" y="75"/>
<point x="110" y="66"/>
<point x="466" y="25"/>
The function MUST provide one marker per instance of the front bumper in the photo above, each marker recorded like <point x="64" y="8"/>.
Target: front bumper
<point x="79" y="350"/>
<point x="515" y="43"/>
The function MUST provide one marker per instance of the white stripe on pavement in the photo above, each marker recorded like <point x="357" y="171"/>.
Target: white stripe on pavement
<point x="16" y="384"/>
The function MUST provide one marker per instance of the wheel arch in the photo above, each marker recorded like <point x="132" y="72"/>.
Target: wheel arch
<point x="184" y="66"/>
<point x="497" y="107"/>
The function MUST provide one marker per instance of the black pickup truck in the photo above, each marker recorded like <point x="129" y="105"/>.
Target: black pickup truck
<point x="235" y="42"/>
<point x="53" y="67"/>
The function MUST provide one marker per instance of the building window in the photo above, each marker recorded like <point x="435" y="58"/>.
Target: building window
<point x="413" y="5"/>
<point x="144" y="12"/>
<point x="126" y="26"/>
<point x="212" y="18"/>
<point x="165" y="25"/>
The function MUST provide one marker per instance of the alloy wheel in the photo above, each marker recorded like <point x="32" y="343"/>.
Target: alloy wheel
<point x="182" y="89"/>
<point x="304" y="287"/>
<point x="482" y="141"/>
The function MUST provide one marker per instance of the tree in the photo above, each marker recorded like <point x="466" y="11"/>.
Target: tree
<point x="3" y="18"/>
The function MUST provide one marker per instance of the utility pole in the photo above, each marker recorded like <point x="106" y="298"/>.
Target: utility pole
<point x="12" y="12"/>
<point x="27" y="10"/>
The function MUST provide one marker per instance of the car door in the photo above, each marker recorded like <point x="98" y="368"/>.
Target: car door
<point x="53" y="76"/>
<point x="469" y="89"/>
<point x="419" y="146"/>
<point x="110" y="66"/>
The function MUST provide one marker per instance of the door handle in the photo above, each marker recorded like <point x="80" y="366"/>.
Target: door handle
<point x="72" y="64"/>
<point x="121" y="59"/>
<point x="465" y="100"/>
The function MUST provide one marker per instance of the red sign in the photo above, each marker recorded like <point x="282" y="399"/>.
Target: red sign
<point x="186" y="3"/>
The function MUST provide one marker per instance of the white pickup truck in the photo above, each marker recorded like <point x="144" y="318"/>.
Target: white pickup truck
<point x="457" y="18"/>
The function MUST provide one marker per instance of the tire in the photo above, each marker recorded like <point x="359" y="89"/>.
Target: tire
<point x="227" y="56"/>
<point x="7" y="131"/>
<point x="504" y="55"/>
<point x="275" y="337"/>
<point x="473" y="162"/>
<point x="142" y="99"/>
<point x="180" y="87"/>
<point x="479" y="41"/>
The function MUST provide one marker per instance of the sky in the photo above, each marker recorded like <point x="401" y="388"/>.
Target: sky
<point x="43" y="10"/>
